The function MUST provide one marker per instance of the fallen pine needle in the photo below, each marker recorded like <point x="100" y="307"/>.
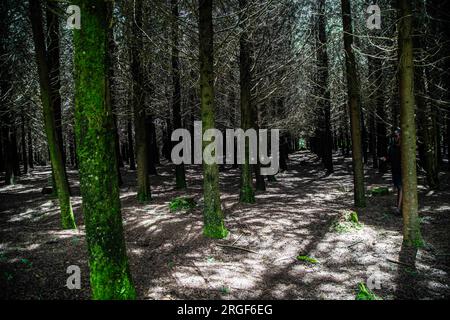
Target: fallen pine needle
<point x="354" y="244"/>
<point x="237" y="248"/>
<point x="400" y="263"/>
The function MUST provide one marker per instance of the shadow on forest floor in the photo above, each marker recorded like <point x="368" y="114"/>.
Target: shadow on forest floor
<point x="170" y="259"/>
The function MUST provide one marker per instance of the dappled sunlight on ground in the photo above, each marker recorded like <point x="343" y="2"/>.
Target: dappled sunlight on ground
<point x="170" y="259"/>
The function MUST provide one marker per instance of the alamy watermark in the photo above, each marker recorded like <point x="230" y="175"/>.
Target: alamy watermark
<point x="374" y="278"/>
<point x="374" y="20"/>
<point x="74" y="20"/>
<point x="74" y="280"/>
<point x="213" y="151"/>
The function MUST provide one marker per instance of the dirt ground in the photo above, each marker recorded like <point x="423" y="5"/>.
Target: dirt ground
<point x="170" y="259"/>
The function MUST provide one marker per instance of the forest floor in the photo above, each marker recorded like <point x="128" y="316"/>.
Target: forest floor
<point x="170" y="259"/>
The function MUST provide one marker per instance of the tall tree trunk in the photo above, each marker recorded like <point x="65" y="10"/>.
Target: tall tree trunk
<point x="322" y="56"/>
<point x="56" y="157"/>
<point x="10" y="174"/>
<point x="247" y="193"/>
<point x="143" y="182"/>
<point x="380" y="114"/>
<point x="30" y="146"/>
<point x="354" y="106"/>
<point x="109" y="271"/>
<point x="180" y="175"/>
<point x="2" y="160"/>
<point x="411" y="224"/>
<point x="54" y="66"/>
<point x="427" y="118"/>
<point x="373" y="138"/>
<point x="259" y="178"/>
<point x="110" y="85"/>
<point x="131" y="159"/>
<point x="151" y="157"/>
<point x="212" y="212"/>
<point x="23" y="141"/>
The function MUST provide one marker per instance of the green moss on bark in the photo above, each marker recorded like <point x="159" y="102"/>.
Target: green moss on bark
<point x="212" y="212"/>
<point x="411" y="224"/>
<point x="109" y="271"/>
<point x="247" y="195"/>
<point x="215" y="231"/>
<point x="59" y="174"/>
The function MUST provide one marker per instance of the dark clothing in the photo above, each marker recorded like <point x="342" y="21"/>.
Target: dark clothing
<point x="396" y="166"/>
<point x="397" y="179"/>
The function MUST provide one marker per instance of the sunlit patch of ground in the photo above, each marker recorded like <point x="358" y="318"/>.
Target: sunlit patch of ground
<point x="170" y="259"/>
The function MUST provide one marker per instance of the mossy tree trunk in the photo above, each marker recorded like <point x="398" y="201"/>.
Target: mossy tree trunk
<point x="143" y="181"/>
<point x="411" y="224"/>
<point x="354" y="106"/>
<point x="54" y="145"/>
<point x="109" y="271"/>
<point x="247" y="193"/>
<point x="180" y="174"/>
<point x="212" y="212"/>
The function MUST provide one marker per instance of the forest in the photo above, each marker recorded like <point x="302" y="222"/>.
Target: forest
<point x="224" y="150"/>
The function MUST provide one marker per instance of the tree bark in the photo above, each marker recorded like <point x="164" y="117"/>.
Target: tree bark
<point x="247" y="193"/>
<point x="180" y="175"/>
<point x="411" y="224"/>
<point x="30" y="146"/>
<point x="109" y="271"/>
<point x="131" y="159"/>
<point x="143" y="182"/>
<point x="23" y="141"/>
<point x="354" y="106"/>
<point x="54" y="145"/>
<point x="212" y="212"/>
<point x="325" y="108"/>
<point x="54" y="66"/>
<point x="110" y="85"/>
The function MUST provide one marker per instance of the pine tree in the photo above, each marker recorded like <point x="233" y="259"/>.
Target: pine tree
<point x="212" y="212"/>
<point x="247" y="194"/>
<point x="354" y="106"/>
<point x="51" y="130"/>
<point x="180" y="174"/>
<point x="411" y="224"/>
<point x="109" y="271"/>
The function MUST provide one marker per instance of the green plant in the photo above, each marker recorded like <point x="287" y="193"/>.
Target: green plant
<point x="26" y="262"/>
<point x="307" y="259"/>
<point x="365" y="293"/>
<point x="181" y="204"/>
<point x="346" y="222"/>
<point x="225" y="290"/>
<point x="381" y="191"/>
